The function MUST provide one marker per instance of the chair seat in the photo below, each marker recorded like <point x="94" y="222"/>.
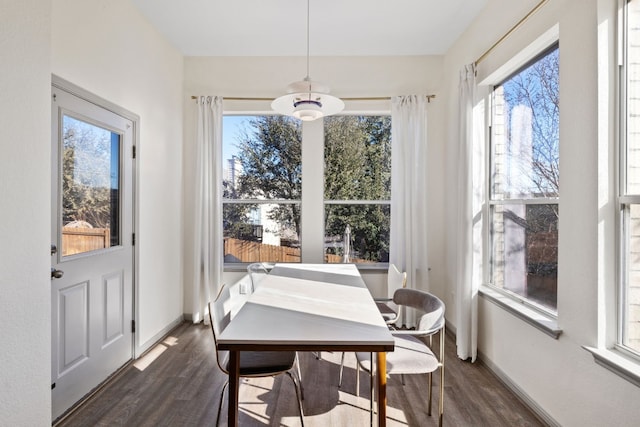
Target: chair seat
<point x="411" y="356"/>
<point x="263" y="363"/>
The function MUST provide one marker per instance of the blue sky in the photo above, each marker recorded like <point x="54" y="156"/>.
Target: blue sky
<point x="231" y="126"/>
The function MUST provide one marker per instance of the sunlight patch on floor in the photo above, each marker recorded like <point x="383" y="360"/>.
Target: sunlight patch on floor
<point x="170" y="341"/>
<point x="146" y="360"/>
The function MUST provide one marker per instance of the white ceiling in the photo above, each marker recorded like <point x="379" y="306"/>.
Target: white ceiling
<point x="337" y="27"/>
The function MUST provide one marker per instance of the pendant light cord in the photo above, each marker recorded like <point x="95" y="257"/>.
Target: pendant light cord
<point x="308" y="78"/>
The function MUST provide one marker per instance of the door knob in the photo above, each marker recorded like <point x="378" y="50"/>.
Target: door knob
<point x="56" y="274"/>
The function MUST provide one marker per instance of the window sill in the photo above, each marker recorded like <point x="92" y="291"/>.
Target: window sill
<point x="546" y="324"/>
<point x="616" y="363"/>
<point x="379" y="267"/>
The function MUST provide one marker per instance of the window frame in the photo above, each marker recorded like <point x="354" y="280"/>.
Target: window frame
<point x="542" y="317"/>
<point x="354" y="202"/>
<point x="253" y="108"/>
<point x="624" y="199"/>
<point x="241" y="266"/>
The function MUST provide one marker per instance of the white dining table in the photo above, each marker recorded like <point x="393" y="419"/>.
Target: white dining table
<point x="308" y="307"/>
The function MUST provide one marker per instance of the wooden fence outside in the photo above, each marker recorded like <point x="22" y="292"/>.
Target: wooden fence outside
<point x="236" y="250"/>
<point x="77" y="240"/>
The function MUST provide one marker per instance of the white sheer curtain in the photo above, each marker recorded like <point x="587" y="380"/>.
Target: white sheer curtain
<point x="466" y="286"/>
<point x="408" y="246"/>
<point x="207" y="255"/>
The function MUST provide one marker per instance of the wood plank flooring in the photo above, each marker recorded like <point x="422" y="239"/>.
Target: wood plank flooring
<point x="181" y="387"/>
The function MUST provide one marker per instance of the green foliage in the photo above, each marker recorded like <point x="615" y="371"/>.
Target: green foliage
<point x="270" y="151"/>
<point x="358" y="167"/>
<point x="86" y="193"/>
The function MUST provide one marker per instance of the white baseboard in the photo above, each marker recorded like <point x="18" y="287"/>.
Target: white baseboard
<point x="139" y="351"/>
<point x="514" y="388"/>
<point x="522" y="395"/>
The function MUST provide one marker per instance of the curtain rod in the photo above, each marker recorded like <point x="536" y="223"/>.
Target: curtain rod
<point x="375" y="98"/>
<point x="511" y="31"/>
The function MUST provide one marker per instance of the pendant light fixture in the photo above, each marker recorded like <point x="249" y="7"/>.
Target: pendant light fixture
<point x="307" y="100"/>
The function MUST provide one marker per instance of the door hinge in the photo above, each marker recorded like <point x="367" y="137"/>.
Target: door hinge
<point x="53" y="386"/>
<point x="133" y="326"/>
<point x="133" y="239"/>
<point x="134" y="151"/>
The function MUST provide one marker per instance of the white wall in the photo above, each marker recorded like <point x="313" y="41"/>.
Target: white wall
<point x="347" y="77"/>
<point x="109" y="49"/>
<point x="559" y="375"/>
<point x="25" y="181"/>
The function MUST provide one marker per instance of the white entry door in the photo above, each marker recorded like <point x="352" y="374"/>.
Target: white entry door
<point x="92" y="246"/>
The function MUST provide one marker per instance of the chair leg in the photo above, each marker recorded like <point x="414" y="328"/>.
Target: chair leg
<point x="224" y="387"/>
<point x="341" y="369"/>
<point x="300" y="375"/>
<point x="441" y="403"/>
<point x="298" y="395"/>
<point x="430" y="392"/>
<point x="371" y="378"/>
<point x="357" y="379"/>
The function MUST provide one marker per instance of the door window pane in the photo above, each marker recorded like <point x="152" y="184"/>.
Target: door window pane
<point x="90" y="187"/>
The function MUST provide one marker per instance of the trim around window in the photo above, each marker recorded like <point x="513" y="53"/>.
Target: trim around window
<point x="537" y="318"/>
<point x="617" y="363"/>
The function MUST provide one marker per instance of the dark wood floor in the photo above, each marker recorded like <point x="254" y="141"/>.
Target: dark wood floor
<point x="181" y="387"/>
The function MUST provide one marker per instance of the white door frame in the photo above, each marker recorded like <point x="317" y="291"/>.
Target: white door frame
<point x="81" y="93"/>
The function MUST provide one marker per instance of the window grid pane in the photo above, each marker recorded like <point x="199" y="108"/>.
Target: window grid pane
<point x="629" y="294"/>
<point x="262" y="186"/>
<point x="631" y="291"/>
<point x="357" y="188"/>
<point x="524" y="251"/>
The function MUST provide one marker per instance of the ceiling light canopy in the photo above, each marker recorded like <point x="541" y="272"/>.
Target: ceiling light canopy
<point x="307" y="100"/>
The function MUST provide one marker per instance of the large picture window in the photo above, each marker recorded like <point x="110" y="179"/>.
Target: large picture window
<point x="523" y="187"/>
<point x="262" y="189"/>
<point x="629" y="194"/>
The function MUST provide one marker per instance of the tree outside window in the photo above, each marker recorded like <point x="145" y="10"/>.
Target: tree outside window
<point x="357" y="188"/>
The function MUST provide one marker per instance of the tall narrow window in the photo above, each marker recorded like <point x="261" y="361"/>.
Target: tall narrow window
<point x="524" y="177"/>
<point x="629" y="198"/>
<point x="262" y="187"/>
<point x="357" y="188"/>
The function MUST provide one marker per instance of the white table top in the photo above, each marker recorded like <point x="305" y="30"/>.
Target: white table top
<point x="309" y="307"/>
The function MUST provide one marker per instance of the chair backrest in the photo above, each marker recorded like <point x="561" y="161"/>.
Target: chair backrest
<point x="257" y="272"/>
<point x="220" y="316"/>
<point x="432" y="307"/>
<point x="395" y="280"/>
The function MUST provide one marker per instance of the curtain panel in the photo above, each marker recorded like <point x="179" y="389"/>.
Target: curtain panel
<point x="208" y="258"/>
<point x="409" y="200"/>
<point x="466" y="286"/>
